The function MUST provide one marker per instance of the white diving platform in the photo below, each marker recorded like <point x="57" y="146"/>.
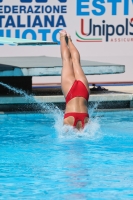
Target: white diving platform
<point x="24" y="42"/>
<point x="46" y="66"/>
<point x="51" y="66"/>
<point x="18" y="71"/>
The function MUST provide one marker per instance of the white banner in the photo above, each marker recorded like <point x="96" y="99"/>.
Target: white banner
<point x="102" y="30"/>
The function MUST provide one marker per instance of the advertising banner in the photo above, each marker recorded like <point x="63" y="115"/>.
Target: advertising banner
<point x="102" y="30"/>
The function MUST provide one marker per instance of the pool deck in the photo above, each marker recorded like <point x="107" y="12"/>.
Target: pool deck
<point x="113" y="97"/>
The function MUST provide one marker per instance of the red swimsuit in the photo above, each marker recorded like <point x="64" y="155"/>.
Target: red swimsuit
<point x="78" y="89"/>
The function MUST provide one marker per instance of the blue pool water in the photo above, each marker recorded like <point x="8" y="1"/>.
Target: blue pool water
<point x="40" y="160"/>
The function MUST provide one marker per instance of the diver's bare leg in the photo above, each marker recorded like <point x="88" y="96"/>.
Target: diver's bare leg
<point x="78" y="71"/>
<point x="67" y="74"/>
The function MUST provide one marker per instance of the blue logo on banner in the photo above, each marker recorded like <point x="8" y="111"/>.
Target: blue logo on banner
<point x="41" y="1"/>
<point x="38" y="1"/>
<point x="12" y="22"/>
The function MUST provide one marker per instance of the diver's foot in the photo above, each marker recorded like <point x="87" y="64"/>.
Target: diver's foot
<point x="63" y="33"/>
<point x="69" y="37"/>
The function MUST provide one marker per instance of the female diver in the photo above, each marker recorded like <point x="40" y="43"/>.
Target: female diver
<point x="74" y="84"/>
